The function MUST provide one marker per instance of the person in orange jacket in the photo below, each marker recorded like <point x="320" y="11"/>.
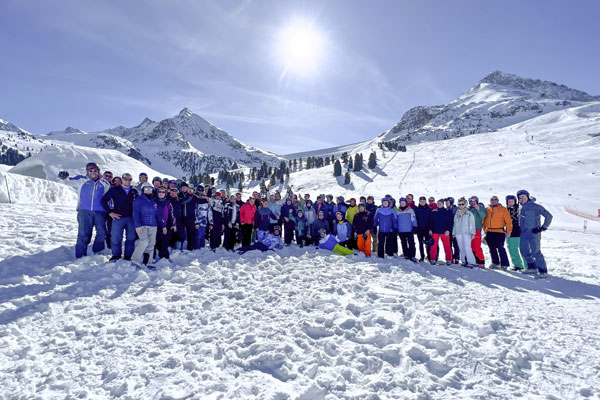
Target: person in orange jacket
<point x="497" y="226"/>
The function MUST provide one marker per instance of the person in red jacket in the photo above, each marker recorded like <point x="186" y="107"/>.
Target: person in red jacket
<point x="247" y="214"/>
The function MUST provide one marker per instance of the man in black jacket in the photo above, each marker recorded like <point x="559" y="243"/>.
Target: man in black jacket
<point x="118" y="202"/>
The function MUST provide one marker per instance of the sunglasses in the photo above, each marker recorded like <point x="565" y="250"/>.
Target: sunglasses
<point x="162" y="191"/>
<point x="494" y="199"/>
<point x="127" y="179"/>
<point x="92" y="170"/>
<point x="461" y="204"/>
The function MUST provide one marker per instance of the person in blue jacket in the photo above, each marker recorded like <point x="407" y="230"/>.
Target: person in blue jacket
<point x="145" y="218"/>
<point x="262" y="220"/>
<point x="387" y="225"/>
<point x="342" y="229"/>
<point x="269" y="241"/>
<point x="320" y="223"/>
<point x="331" y="243"/>
<point x="407" y="224"/>
<point x="90" y="210"/>
<point x="118" y="201"/>
<point x="531" y="229"/>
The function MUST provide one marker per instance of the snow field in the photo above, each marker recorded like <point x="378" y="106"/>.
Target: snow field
<point x="296" y="324"/>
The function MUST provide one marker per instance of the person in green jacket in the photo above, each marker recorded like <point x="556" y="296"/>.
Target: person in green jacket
<point x="478" y="210"/>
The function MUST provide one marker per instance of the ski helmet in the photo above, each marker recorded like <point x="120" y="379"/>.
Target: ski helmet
<point x="523" y="191"/>
<point x="92" y="165"/>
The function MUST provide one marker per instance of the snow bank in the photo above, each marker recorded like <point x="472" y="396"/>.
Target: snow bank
<point x="20" y="189"/>
<point x="54" y="158"/>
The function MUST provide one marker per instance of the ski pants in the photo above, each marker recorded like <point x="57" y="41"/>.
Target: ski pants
<point x="215" y="236"/>
<point x="145" y="243"/>
<point x="374" y="241"/>
<point x="476" y="247"/>
<point x="385" y="241"/>
<point x="229" y="237"/>
<point x="407" y="239"/>
<point x="162" y="243"/>
<point x="344" y="251"/>
<point x="455" y="248"/>
<point x="445" y="243"/>
<point x="87" y="221"/>
<point x="190" y="229"/>
<point x="364" y="244"/>
<point x="530" y="249"/>
<point x="109" y="221"/>
<point x="289" y="228"/>
<point x="423" y="236"/>
<point x="118" y="226"/>
<point x="495" y="241"/>
<point x="513" y="244"/>
<point x="246" y="234"/>
<point x="464" y="245"/>
<point x="200" y="237"/>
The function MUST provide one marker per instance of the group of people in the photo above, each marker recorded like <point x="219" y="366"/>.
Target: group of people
<point x="165" y="214"/>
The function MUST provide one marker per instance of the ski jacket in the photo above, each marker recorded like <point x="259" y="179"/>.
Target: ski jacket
<point x="272" y="241"/>
<point x="285" y="210"/>
<point x="411" y="204"/>
<point x="342" y="230"/>
<point x="407" y="219"/>
<point x="514" y="217"/>
<point x="275" y="207"/>
<point x="91" y="193"/>
<point x="464" y="223"/>
<point x="188" y="206"/>
<point x="341" y="207"/>
<point x="320" y="224"/>
<point x="363" y="221"/>
<point x="453" y="209"/>
<point x="145" y="211"/>
<point x="328" y="242"/>
<point x="385" y="220"/>
<point x="529" y="217"/>
<point x="329" y="215"/>
<point x="432" y="206"/>
<point x="302" y="226"/>
<point x="203" y="214"/>
<point x="176" y="204"/>
<point x="165" y="219"/>
<point x="310" y="213"/>
<point x="497" y="219"/>
<point x="247" y="213"/>
<point x="217" y="206"/>
<point x="371" y="208"/>
<point x="479" y="215"/>
<point x="351" y="212"/>
<point x="440" y="221"/>
<point x="118" y="201"/>
<point x="263" y="218"/>
<point x="231" y="214"/>
<point x="423" y="213"/>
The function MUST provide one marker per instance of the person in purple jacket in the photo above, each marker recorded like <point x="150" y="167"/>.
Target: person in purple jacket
<point x="166" y="223"/>
<point x="331" y="243"/>
<point x="90" y="210"/>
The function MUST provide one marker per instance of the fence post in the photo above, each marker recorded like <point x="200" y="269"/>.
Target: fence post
<point x="8" y="190"/>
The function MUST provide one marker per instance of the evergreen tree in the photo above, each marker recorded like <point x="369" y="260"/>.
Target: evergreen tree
<point x="240" y="186"/>
<point x="347" y="178"/>
<point x="295" y="164"/>
<point x="350" y="164"/>
<point x="345" y="157"/>
<point x="372" y="160"/>
<point x="300" y="162"/>
<point x="235" y="166"/>
<point x="272" y="181"/>
<point x="337" y="168"/>
<point x="327" y="161"/>
<point x="263" y="187"/>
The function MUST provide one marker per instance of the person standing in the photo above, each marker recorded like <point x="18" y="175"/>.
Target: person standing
<point x="386" y="223"/>
<point x="218" y="225"/>
<point x="320" y="223"/>
<point x="440" y="225"/>
<point x="119" y="203"/>
<point x="143" y="178"/>
<point x="531" y="229"/>
<point x="90" y="210"/>
<point x="362" y="226"/>
<point x="372" y="209"/>
<point x="179" y="231"/>
<point x="145" y="218"/>
<point x="407" y="223"/>
<point x="497" y="226"/>
<point x="247" y="218"/>
<point x="464" y="231"/>
<point x="479" y="213"/>
<point x="423" y="212"/>
<point x="188" y="214"/>
<point x="342" y="229"/>
<point x="455" y="251"/>
<point x="232" y="223"/>
<point x="166" y="223"/>
<point x="514" y="241"/>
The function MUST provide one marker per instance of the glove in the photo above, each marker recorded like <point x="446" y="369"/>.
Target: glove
<point x="63" y="174"/>
<point x="538" y="230"/>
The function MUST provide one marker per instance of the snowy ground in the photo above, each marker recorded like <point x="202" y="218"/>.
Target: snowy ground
<point x="297" y="324"/>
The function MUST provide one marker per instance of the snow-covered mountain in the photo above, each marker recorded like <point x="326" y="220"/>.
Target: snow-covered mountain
<point x="16" y="144"/>
<point x="497" y="101"/>
<point x="183" y="145"/>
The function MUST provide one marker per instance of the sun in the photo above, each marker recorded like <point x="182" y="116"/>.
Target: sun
<point x="301" y="48"/>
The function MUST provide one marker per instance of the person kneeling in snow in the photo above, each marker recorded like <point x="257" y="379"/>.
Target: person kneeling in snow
<point x="331" y="243"/>
<point x="269" y="241"/>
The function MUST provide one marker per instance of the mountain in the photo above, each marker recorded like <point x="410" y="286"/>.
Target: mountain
<point x="16" y="144"/>
<point x="183" y="145"/>
<point x="497" y="101"/>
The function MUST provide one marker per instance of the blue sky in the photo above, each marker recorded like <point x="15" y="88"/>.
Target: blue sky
<point x="99" y="64"/>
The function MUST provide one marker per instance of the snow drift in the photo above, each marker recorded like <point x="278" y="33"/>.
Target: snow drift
<point x="19" y="189"/>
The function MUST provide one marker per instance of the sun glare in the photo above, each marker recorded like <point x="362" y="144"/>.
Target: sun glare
<point x="300" y="48"/>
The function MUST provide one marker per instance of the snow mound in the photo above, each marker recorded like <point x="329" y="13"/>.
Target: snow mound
<point x="19" y="189"/>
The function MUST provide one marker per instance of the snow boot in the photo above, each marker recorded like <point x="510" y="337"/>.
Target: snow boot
<point x="448" y="262"/>
<point x="433" y="262"/>
<point x="531" y="269"/>
<point x="494" y="266"/>
<point x="127" y="258"/>
<point x="115" y="258"/>
<point x="146" y="259"/>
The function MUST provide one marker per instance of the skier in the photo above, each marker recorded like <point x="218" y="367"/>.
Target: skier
<point x="119" y="203"/>
<point x="179" y="231"/>
<point x="423" y="212"/>
<point x="145" y="217"/>
<point x="262" y="220"/>
<point x="362" y="226"/>
<point x="217" y="206"/>
<point x="302" y="229"/>
<point x="455" y="251"/>
<point x="203" y="218"/>
<point x="143" y="178"/>
<point x="188" y="214"/>
<point x="514" y="241"/>
<point x="464" y="232"/>
<point x="386" y="223"/>
<point x="407" y="223"/>
<point x="497" y="226"/>
<point x="440" y="225"/>
<point x="342" y="229"/>
<point x="165" y="222"/>
<point x="247" y="215"/>
<point x="531" y="228"/>
<point x="231" y="218"/>
<point x="479" y="213"/>
<point x="90" y="210"/>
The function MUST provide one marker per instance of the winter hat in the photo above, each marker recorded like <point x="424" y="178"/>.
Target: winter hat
<point x="362" y="198"/>
<point x="361" y="205"/>
<point x="510" y="196"/>
<point x="146" y="185"/>
<point x="321" y="213"/>
<point x="218" y="194"/>
<point x="402" y="199"/>
<point x="474" y="198"/>
<point x="92" y="165"/>
<point x="143" y="174"/>
<point x="126" y="175"/>
<point x="352" y="199"/>
<point x="200" y="187"/>
<point x="300" y="212"/>
<point x="182" y="184"/>
<point x="385" y="199"/>
<point x="450" y="200"/>
<point x="156" y="178"/>
<point x="422" y="198"/>
<point x="322" y="232"/>
<point x="340" y="198"/>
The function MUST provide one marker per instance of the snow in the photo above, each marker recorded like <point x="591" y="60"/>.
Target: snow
<point x="294" y="324"/>
<point x="15" y="188"/>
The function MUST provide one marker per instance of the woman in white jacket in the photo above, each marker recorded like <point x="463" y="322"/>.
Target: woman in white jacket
<point x="464" y="232"/>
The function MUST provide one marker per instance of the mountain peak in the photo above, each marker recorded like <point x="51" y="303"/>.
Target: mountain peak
<point x="185" y="112"/>
<point x="70" y="129"/>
